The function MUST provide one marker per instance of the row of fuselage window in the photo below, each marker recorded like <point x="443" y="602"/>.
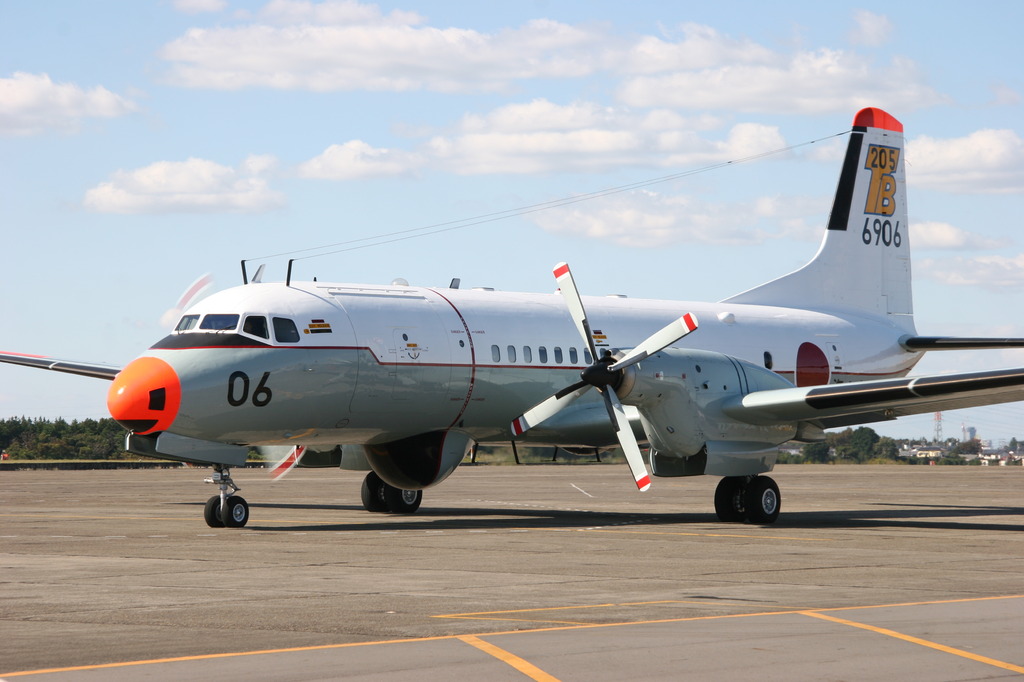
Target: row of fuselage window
<point x="525" y="355"/>
<point x="285" y="331"/>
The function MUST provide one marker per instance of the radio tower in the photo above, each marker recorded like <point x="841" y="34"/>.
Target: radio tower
<point x="938" y="428"/>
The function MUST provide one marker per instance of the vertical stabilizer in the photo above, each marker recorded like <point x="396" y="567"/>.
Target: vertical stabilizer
<point x="863" y="264"/>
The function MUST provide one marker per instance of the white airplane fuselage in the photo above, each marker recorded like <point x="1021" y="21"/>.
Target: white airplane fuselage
<point x="408" y="380"/>
<point x="379" y="363"/>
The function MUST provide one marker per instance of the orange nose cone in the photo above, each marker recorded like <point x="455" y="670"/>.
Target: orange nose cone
<point x="145" y="396"/>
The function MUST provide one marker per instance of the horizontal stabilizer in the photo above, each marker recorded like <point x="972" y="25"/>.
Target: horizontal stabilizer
<point x="87" y="369"/>
<point x="867" y="401"/>
<point x="927" y="343"/>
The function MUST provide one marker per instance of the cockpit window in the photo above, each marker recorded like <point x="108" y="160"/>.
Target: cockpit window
<point x="256" y="325"/>
<point x="186" y="323"/>
<point x="219" y="323"/>
<point x="285" y="330"/>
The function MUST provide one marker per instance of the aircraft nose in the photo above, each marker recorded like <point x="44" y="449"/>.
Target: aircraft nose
<point x="145" y="396"/>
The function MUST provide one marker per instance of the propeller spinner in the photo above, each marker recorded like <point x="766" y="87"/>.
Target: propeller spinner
<point x="605" y="374"/>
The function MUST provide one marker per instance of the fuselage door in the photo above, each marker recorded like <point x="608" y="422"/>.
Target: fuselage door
<point x="812" y="365"/>
<point x="410" y="352"/>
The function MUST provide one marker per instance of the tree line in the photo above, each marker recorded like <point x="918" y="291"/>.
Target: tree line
<point x="24" y="438"/>
<point x="863" y="446"/>
<point x="99" y="439"/>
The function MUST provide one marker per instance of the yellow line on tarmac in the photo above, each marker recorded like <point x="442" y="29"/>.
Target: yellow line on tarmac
<point x="920" y="603"/>
<point x="817" y="613"/>
<point x="505" y="615"/>
<point x="229" y="654"/>
<point x="522" y="665"/>
<point x="917" y="640"/>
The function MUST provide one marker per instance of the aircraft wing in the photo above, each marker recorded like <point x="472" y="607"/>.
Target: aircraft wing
<point x="870" y="401"/>
<point x="88" y="369"/>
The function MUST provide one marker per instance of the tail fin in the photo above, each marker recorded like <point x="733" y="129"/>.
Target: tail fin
<point x="863" y="264"/>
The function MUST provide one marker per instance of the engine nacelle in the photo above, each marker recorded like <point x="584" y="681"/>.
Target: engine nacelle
<point x="679" y="394"/>
<point x="419" y="461"/>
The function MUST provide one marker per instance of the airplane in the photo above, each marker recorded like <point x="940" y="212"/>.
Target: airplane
<point x="403" y="381"/>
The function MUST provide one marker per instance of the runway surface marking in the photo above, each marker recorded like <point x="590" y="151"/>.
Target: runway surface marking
<point x="507" y="615"/>
<point x="523" y="666"/>
<point x="917" y="640"/>
<point x="817" y="613"/>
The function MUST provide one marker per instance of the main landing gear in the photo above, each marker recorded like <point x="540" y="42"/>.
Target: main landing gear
<point x="225" y="510"/>
<point x="747" y="498"/>
<point x="379" y="496"/>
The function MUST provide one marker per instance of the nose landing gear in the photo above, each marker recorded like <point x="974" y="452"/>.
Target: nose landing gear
<point x="225" y="510"/>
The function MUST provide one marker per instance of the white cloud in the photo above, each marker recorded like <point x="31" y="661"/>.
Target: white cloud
<point x="540" y="137"/>
<point x="356" y="159"/>
<point x="815" y="82"/>
<point x="200" y="6"/>
<point x="701" y="47"/>
<point x="648" y="219"/>
<point x="989" y="272"/>
<point x="334" y="12"/>
<point x="348" y="46"/>
<point x="192" y="186"/>
<point x="870" y="29"/>
<point x="544" y="137"/>
<point x="936" y="235"/>
<point x="985" y="162"/>
<point x="32" y="103"/>
<point x="1005" y="96"/>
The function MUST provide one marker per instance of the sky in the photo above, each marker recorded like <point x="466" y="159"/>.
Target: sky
<point x="144" y="144"/>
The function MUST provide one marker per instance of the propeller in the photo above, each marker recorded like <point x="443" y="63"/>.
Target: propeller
<point x="605" y="374"/>
<point x="287" y="463"/>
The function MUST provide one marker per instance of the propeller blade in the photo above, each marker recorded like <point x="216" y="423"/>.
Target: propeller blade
<point x="626" y="439"/>
<point x="567" y="286"/>
<point x="291" y="460"/>
<point x="549" y="408"/>
<point x="657" y="341"/>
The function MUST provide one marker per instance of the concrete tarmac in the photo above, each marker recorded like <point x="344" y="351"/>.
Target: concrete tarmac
<point x="533" y="572"/>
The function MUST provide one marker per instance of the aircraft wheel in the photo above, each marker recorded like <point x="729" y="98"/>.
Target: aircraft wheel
<point x="212" y="512"/>
<point x="373" y="493"/>
<point x="729" y="499"/>
<point x="235" y="512"/>
<point x="402" y="501"/>
<point x="763" y="500"/>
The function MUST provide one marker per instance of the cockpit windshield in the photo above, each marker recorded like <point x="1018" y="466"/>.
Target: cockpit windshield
<point x="284" y="329"/>
<point x="256" y="325"/>
<point x="219" y="323"/>
<point x="186" y="323"/>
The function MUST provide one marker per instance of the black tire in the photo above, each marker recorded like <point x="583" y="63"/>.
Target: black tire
<point x="373" y="493"/>
<point x="235" y="513"/>
<point x="763" y="500"/>
<point x="212" y="512"/>
<point x="730" y="503"/>
<point x="402" y="501"/>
